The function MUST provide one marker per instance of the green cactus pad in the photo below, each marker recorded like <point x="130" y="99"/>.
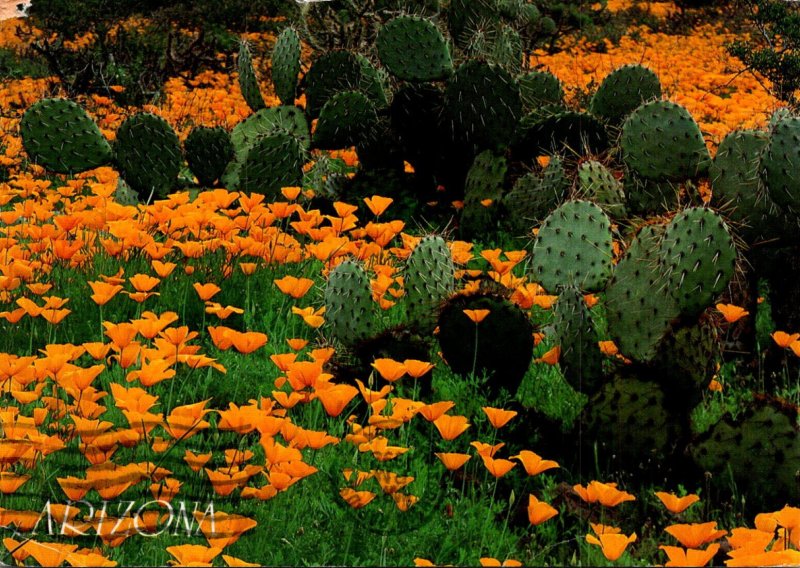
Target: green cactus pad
<point x="535" y="196"/>
<point x="59" y="135"/>
<point x="413" y="49"/>
<point x="429" y="281"/>
<point x="573" y="248"/>
<point x="266" y="122"/>
<point x="623" y="90"/>
<point x="759" y="448"/>
<point x="639" y="306"/>
<point x="661" y="141"/>
<point x="248" y="80"/>
<point x="338" y="71"/>
<point x="484" y="181"/>
<point x="630" y="424"/>
<point x="540" y="88"/>
<point x="208" y="151"/>
<point x="598" y="184"/>
<point x="649" y="197"/>
<point x="466" y="16"/>
<point x="148" y="155"/>
<point x="272" y="163"/>
<point x="779" y="163"/>
<point x="581" y="361"/>
<point x="350" y="313"/>
<point x="566" y="132"/>
<point x="699" y="258"/>
<point x="286" y="65"/>
<point x="482" y="105"/>
<point x="124" y="195"/>
<point x="344" y="121"/>
<point x="737" y="191"/>
<point x="504" y="347"/>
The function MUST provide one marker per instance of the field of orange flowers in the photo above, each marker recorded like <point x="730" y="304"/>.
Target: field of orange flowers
<point x="168" y="393"/>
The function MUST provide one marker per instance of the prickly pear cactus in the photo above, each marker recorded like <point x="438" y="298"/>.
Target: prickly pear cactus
<point x="124" y="195"/>
<point x="59" y="135"/>
<point x="639" y="306"/>
<point x="760" y="449"/>
<point x="648" y="197"/>
<point x="344" y="121"/>
<point x="286" y="65"/>
<point x="504" y="346"/>
<point x="661" y="141"/>
<point x="208" y="151"/>
<point x="349" y="309"/>
<point x="779" y="163"/>
<point x="581" y="361"/>
<point x="737" y="191"/>
<point x="287" y="120"/>
<point x="483" y="105"/>
<point x="482" y="193"/>
<point x="686" y="362"/>
<point x="466" y="16"/>
<point x="272" y="163"/>
<point x="598" y="184"/>
<point x="566" y="132"/>
<point x="540" y="88"/>
<point x="699" y="258"/>
<point x="429" y="281"/>
<point x="248" y="80"/>
<point x="338" y="71"/>
<point x="148" y="155"/>
<point x="573" y="248"/>
<point x="628" y="421"/>
<point x="413" y="49"/>
<point x="534" y="197"/>
<point x="623" y="90"/>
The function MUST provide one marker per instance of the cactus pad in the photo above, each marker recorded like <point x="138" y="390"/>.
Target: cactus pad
<point x="272" y="163"/>
<point x="208" y="151"/>
<point x="286" y="65"/>
<point x="429" y="281"/>
<point x="699" y="258"/>
<point x="349" y="309"/>
<point x="338" y="71"/>
<point x="248" y="80"/>
<point x="482" y="105"/>
<point x="540" y="88"/>
<point x="148" y="155"/>
<point x="623" y="90"/>
<point x="344" y="121"/>
<point x="565" y="132"/>
<point x="581" y="361"/>
<point x="484" y="182"/>
<point x="504" y="346"/>
<point x="413" y="49"/>
<point x="59" y="135"/>
<point x="535" y="196"/>
<point x="639" y="306"/>
<point x="598" y="184"/>
<point x="573" y="248"/>
<point x="779" y="163"/>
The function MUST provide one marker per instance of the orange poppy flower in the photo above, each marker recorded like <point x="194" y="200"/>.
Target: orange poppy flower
<point x="312" y="317"/>
<point x="143" y="282"/>
<point x="356" y="499"/>
<point x="476" y="316"/>
<point x="453" y="461"/>
<point x="695" y="535"/>
<point x="484" y="449"/>
<point x="783" y="339"/>
<point x="403" y="501"/>
<point x="489" y="561"/>
<point x="533" y="464"/>
<point x="297" y="344"/>
<point x="539" y="511"/>
<point x="732" y="313"/>
<point x="498" y="417"/>
<point x="378" y="204"/>
<point x="380" y="448"/>
<point x="222" y="529"/>
<point x="335" y="398"/>
<point x="196" y="461"/>
<point x="192" y="555"/>
<point x="416" y="368"/>
<point x="451" y="427"/>
<point x="497" y="467"/>
<point x="771" y="558"/>
<point x="389" y="481"/>
<point x="371" y="396"/>
<point x="551" y="357"/>
<point x="206" y="291"/>
<point x="675" y="504"/>
<point x="613" y="545"/>
<point x="431" y="412"/>
<point x="691" y="557"/>
<point x="10" y="482"/>
<point x="294" y="287"/>
<point x="608" y="348"/>
<point x="389" y="369"/>
<point x="102" y="292"/>
<point x="238" y="562"/>
<point x="163" y="269"/>
<point x="606" y="493"/>
<point x="249" y="341"/>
